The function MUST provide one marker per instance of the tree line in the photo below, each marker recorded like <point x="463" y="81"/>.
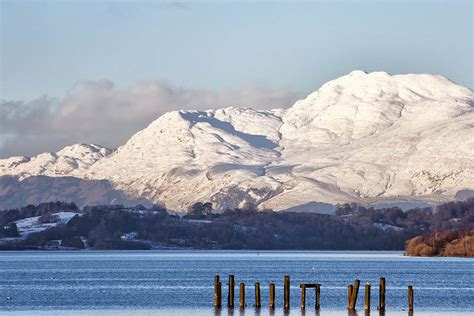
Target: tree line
<point x="351" y="227"/>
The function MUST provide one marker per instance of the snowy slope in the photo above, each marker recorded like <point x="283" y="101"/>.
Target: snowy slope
<point x="62" y="163"/>
<point x="362" y="137"/>
<point x="31" y="225"/>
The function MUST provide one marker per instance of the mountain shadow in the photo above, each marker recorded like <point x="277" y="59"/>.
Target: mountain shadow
<point x="16" y="193"/>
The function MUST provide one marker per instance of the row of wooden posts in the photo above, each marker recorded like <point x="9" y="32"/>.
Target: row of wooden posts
<point x="352" y="293"/>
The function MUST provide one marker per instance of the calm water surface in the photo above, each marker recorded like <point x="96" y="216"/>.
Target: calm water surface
<point x="181" y="282"/>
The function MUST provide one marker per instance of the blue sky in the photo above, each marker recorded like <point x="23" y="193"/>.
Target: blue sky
<point x="99" y="71"/>
<point x="49" y="46"/>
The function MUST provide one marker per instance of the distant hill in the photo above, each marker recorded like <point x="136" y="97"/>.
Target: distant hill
<point x="364" y="138"/>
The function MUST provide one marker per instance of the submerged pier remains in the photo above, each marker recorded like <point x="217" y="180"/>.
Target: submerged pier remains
<point x="352" y="294"/>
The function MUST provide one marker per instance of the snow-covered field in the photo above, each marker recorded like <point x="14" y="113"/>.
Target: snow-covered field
<point x="363" y="138"/>
<point x="385" y="226"/>
<point x="31" y="225"/>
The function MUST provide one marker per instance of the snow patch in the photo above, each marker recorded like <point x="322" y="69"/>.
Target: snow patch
<point x="31" y="225"/>
<point x="385" y="226"/>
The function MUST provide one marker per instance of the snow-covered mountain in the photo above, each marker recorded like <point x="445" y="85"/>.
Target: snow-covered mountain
<point x="363" y="137"/>
<point x="63" y="163"/>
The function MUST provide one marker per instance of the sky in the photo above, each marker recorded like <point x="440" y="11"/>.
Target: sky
<point x="98" y="71"/>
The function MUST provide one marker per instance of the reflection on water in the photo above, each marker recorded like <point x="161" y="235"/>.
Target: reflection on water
<point x="309" y="312"/>
<point x="231" y="312"/>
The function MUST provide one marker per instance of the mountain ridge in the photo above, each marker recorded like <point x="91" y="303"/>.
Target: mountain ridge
<point x="359" y="138"/>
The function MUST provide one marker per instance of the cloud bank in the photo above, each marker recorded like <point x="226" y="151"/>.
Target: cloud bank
<point x="97" y="112"/>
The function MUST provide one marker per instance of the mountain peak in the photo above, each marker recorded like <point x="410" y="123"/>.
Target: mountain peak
<point x="361" y="104"/>
<point x="357" y="72"/>
<point x="379" y="83"/>
<point x="84" y="150"/>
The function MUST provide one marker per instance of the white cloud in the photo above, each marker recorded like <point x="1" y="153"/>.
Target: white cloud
<point x="98" y="112"/>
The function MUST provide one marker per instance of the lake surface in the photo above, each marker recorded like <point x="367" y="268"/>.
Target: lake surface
<point x="181" y="282"/>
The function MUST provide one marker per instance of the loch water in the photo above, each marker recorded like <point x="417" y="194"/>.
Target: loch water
<point x="181" y="282"/>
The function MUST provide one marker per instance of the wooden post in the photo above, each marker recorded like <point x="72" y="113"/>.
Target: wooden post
<point x="355" y="292"/>
<point x="272" y="296"/>
<point x="411" y="298"/>
<point x="287" y="292"/>
<point x="220" y="294"/>
<point x="257" y="295"/>
<point x="303" y="296"/>
<point x="230" y="296"/>
<point x="242" y="295"/>
<point x="381" y="305"/>
<point x="217" y="302"/>
<point x="350" y="288"/>
<point x="318" y="296"/>
<point x="367" y="296"/>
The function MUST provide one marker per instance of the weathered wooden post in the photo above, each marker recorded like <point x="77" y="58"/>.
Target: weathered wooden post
<point x="257" y="295"/>
<point x="381" y="305"/>
<point x="286" y="289"/>
<point x="318" y="296"/>
<point x="217" y="300"/>
<point x="411" y="298"/>
<point x="272" y="296"/>
<point x="367" y="296"/>
<point x="230" y="296"/>
<point x="355" y="292"/>
<point x="242" y="295"/>
<point x="350" y="288"/>
<point x="303" y="296"/>
<point x="220" y="294"/>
